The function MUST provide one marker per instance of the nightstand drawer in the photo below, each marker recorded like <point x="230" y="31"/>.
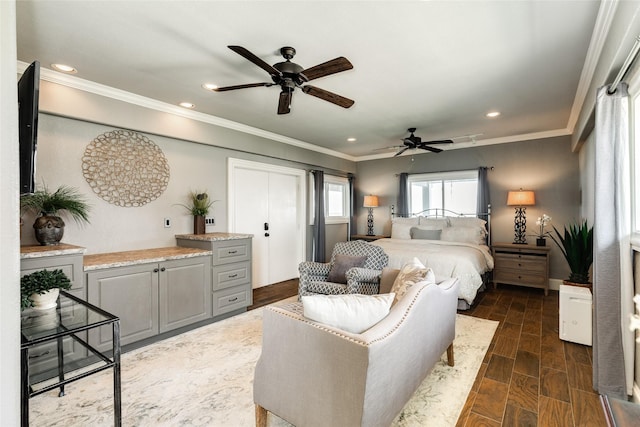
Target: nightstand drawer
<point x="521" y="263"/>
<point x="520" y="278"/>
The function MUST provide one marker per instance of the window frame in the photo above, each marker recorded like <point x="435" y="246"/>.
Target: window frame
<point x="467" y="174"/>
<point x="346" y="200"/>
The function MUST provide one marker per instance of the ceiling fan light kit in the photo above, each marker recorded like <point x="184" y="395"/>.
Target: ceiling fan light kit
<point x="289" y="76"/>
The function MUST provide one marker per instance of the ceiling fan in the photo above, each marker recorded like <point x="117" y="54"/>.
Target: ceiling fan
<point x="289" y="75"/>
<point x="411" y="142"/>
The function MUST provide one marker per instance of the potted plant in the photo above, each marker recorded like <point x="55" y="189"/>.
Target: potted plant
<point x="199" y="208"/>
<point x="48" y="226"/>
<point x="576" y="245"/>
<point x="542" y="222"/>
<point x="40" y="289"/>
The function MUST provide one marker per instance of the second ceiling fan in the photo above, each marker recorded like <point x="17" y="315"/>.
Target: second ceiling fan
<point x="289" y="76"/>
<point x="412" y="142"/>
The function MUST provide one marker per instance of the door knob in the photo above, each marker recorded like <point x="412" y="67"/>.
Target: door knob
<point x="266" y="234"/>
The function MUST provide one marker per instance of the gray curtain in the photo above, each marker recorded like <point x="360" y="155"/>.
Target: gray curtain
<point x="352" y="209"/>
<point x="403" y="198"/>
<point x="482" y="206"/>
<point x="612" y="249"/>
<point x="319" y="235"/>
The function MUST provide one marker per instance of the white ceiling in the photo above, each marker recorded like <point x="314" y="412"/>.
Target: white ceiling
<point x="439" y="66"/>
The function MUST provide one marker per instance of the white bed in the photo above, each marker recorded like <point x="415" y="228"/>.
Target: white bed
<point x="450" y="246"/>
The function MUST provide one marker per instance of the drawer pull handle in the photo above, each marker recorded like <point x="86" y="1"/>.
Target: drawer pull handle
<point x="233" y="276"/>
<point x="232" y="252"/>
<point x="233" y="299"/>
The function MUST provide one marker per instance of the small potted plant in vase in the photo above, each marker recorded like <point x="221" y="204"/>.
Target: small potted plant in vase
<point x="576" y="245"/>
<point x="49" y="226"/>
<point x="542" y="222"/>
<point x="41" y="288"/>
<point x="199" y="208"/>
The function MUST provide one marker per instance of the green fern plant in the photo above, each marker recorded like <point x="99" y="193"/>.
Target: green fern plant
<point x="576" y="244"/>
<point x="63" y="200"/>
<point x="40" y="282"/>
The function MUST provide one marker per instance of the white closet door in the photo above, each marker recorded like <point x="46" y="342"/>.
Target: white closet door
<point x="262" y="194"/>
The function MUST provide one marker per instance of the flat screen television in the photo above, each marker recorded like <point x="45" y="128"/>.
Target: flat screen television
<point x="28" y="97"/>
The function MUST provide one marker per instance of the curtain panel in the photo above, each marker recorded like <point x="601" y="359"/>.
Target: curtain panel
<point x="612" y="271"/>
<point x="319" y="232"/>
<point x="482" y="206"/>
<point x="403" y="197"/>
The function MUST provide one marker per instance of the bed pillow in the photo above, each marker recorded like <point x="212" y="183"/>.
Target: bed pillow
<point x="401" y="231"/>
<point x="475" y="235"/>
<point x="434" y="222"/>
<point x="352" y="312"/>
<point x="425" y="233"/>
<point x="467" y="221"/>
<point x="410" y="274"/>
<point x="342" y="264"/>
<point x="409" y="221"/>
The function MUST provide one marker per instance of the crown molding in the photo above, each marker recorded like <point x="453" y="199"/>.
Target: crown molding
<point x="152" y="104"/>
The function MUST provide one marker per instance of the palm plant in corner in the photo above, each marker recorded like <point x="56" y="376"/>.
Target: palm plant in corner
<point x="576" y="244"/>
<point x="49" y="226"/>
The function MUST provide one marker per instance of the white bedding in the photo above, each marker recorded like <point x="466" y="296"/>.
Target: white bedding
<point x="466" y="261"/>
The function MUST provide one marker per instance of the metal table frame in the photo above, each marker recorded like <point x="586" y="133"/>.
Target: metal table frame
<point x="58" y="334"/>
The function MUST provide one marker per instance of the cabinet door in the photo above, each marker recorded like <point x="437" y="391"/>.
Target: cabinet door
<point x="131" y="293"/>
<point x="185" y="292"/>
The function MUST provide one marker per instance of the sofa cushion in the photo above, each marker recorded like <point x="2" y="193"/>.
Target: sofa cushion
<point x="341" y="264"/>
<point x="352" y="312"/>
<point x="387" y="277"/>
<point x="410" y="274"/>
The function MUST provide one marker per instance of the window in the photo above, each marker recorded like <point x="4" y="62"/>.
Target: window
<point x="634" y="125"/>
<point x="337" y="206"/>
<point x="454" y="191"/>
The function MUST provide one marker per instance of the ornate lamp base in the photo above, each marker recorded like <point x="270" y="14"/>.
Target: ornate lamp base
<point x="520" y="226"/>
<point x="370" y="223"/>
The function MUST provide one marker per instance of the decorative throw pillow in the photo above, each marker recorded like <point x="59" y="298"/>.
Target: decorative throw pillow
<point x="467" y="221"/>
<point x="401" y="231"/>
<point x="352" y="312"/>
<point x="435" y="222"/>
<point x="387" y="277"/>
<point x="475" y="235"/>
<point x="410" y="274"/>
<point x="425" y="234"/>
<point x="341" y="264"/>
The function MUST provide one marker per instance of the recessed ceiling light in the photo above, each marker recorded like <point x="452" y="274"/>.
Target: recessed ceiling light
<point x="187" y="105"/>
<point x="64" y="68"/>
<point x="210" y="86"/>
<point x="493" y="114"/>
<point x="351" y="139"/>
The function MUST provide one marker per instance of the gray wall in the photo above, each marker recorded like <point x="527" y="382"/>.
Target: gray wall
<point x="546" y="166"/>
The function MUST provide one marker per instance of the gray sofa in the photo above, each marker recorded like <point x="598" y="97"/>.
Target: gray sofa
<point x="311" y="374"/>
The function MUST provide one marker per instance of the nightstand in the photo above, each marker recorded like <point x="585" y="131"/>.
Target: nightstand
<point x="522" y="265"/>
<point x="368" y="238"/>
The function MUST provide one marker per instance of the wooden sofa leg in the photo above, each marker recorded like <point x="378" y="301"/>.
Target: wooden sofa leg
<point x="261" y="416"/>
<point x="450" y="355"/>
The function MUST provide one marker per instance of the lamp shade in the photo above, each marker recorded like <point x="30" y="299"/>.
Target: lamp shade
<point x="521" y="198"/>
<point x="370" y="202"/>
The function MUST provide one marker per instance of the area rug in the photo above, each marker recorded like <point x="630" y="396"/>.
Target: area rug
<point x="204" y="378"/>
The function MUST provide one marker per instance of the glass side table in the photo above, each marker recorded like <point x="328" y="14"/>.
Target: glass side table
<point x="70" y="318"/>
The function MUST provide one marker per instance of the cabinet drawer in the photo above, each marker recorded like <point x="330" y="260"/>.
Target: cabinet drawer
<point x="519" y="278"/>
<point x="230" y="251"/>
<point x="232" y="299"/>
<point x="229" y="275"/>
<point x="521" y="263"/>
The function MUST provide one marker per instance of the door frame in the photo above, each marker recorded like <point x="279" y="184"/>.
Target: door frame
<point x="233" y="164"/>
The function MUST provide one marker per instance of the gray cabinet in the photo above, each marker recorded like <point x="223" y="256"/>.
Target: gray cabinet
<point x="230" y="270"/>
<point x="151" y="298"/>
<point x="68" y="258"/>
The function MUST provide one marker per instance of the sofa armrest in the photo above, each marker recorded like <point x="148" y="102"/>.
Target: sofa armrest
<point x="312" y="268"/>
<point x="363" y="280"/>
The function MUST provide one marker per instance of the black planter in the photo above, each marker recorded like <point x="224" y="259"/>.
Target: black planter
<point x="541" y="241"/>
<point x="49" y="229"/>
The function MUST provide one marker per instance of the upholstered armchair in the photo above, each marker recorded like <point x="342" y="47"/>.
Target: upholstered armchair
<point x="340" y="276"/>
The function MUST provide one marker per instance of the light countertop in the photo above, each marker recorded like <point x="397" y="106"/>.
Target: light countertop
<point x="40" y="251"/>
<point x="142" y="256"/>
<point x="209" y="237"/>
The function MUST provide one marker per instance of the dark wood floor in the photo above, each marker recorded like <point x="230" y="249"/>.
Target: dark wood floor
<point x="529" y="377"/>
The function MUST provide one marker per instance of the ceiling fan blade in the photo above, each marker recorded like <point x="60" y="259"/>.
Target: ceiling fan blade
<point x="253" y="58"/>
<point x="401" y="151"/>
<point x="443" y="141"/>
<point x="328" y="96"/>
<point x="336" y="65"/>
<point x="432" y="149"/>
<point x="284" y="103"/>
<point x="226" y="88"/>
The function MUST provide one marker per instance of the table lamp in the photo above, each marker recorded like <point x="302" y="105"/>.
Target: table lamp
<point x="520" y="199"/>
<point x="370" y="202"/>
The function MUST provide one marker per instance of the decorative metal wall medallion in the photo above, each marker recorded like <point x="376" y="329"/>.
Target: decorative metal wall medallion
<point x="125" y="168"/>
